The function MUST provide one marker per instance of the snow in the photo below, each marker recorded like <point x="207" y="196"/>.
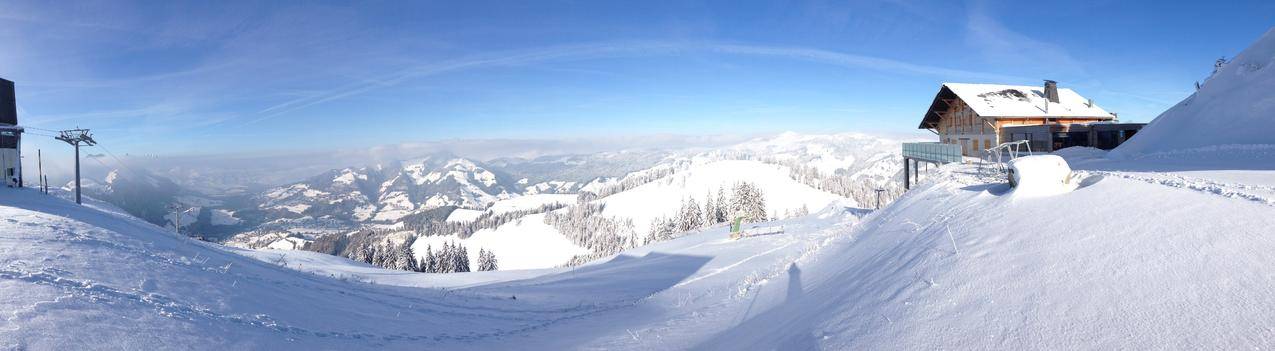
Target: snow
<point x="554" y="187"/>
<point x="1150" y="250"/>
<point x="664" y="197"/>
<point x="464" y="215"/>
<point x="1040" y="175"/>
<point x="1232" y="115"/>
<point x="598" y="184"/>
<point x="294" y="208"/>
<point x="348" y="176"/>
<point x="529" y="202"/>
<point x="1171" y="258"/>
<point x="996" y="100"/>
<point x="224" y="217"/>
<point x="199" y="295"/>
<point x="525" y="243"/>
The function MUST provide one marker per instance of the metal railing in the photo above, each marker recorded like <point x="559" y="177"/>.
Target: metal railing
<point x="996" y="156"/>
<point x="933" y="152"/>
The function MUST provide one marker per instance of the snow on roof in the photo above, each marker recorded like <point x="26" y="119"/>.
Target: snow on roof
<point x="1003" y="101"/>
<point x="996" y="100"/>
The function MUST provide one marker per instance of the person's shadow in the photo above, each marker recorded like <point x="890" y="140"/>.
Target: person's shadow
<point x="745" y="334"/>
<point x="799" y="340"/>
<point x="794" y="282"/>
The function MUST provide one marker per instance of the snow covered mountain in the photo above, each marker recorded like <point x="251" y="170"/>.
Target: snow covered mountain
<point x="393" y="200"/>
<point x="386" y="193"/>
<point x="401" y="199"/>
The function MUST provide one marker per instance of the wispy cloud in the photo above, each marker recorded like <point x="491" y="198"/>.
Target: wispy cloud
<point x="1001" y="46"/>
<point x="615" y="50"/>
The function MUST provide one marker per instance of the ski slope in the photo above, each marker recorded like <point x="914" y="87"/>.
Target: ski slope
<point x="67" y="271"/>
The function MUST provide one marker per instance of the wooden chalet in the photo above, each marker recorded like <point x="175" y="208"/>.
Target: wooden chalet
<point x="981" y="116"/>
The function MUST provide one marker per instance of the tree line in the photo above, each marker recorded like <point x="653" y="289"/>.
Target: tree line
<point x="433" y="225"/>
<point x="745" y="200"/>
<point x="366" y="246"/>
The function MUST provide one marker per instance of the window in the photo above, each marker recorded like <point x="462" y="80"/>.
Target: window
<point x="8" y="140"/>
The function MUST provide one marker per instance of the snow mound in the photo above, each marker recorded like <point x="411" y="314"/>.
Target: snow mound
<point x="1040" y="175"/>
<point x="1234" y="111"/>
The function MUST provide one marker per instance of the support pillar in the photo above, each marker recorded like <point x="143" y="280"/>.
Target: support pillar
<point x="907" y="177"/>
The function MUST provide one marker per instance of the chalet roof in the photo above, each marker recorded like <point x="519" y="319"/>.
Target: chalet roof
<point x="1008" y="101"/>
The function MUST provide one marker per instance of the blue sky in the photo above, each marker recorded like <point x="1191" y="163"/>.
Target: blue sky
<point x="206" y="77"/>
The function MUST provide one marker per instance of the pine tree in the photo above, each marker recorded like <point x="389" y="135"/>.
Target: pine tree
<point x="486" y="260"/>
<point x="689" y="218"/>
<point x="722" y="210"/>
<point x="461" y="259"/>
<point x="710" y="210"/>
<point x="407" y="258"/>
<point x="748" y="202"/>
<point x="430" y="264"/>
<point x="445" y="262"/>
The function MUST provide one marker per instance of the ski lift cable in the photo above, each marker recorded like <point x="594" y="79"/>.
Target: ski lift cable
<point x="117" y="159"/>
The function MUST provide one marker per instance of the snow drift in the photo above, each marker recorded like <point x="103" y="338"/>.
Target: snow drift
<point x="1234" y="111"/>
<point x="1040" y="175"/>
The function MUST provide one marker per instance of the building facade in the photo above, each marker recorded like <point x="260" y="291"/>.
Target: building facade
<point x="10" y="136"/>
<point x="980" y="116"/>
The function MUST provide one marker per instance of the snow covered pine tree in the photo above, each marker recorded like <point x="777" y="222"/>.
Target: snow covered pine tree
<point x="486" y="260"/>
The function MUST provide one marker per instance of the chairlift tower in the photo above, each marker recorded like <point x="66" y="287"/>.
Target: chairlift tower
<point x="77" y="137"/>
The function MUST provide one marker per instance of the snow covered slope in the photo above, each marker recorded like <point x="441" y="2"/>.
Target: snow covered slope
<point x="1233" y="113"/>
<point x="664" y="197"/>
<point x="68" y="271"/>
<point x="958" y="264"/>
<point x="955" y="264"/>
<point x="526" y="243"/>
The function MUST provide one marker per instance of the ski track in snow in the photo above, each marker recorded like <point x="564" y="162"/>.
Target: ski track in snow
<point x="733" y="265"/>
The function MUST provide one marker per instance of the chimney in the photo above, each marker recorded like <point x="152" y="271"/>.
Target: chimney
<point x="1051" y="91"/>
<point x="8" y="103"/>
